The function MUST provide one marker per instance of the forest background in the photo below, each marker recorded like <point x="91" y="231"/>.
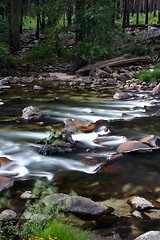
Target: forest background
<point x="72" y="32"/>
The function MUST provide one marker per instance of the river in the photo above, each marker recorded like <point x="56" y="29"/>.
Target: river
<point x="85" y="172"/>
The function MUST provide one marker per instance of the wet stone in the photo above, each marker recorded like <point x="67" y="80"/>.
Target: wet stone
<point x="86" y="207"/>
<point x="122" y="95"/>
<point x="131" y="146"/>
<point x="151" y="140"/>
<point x="78" y="205"/>
<point x="140" y="203"/>
<point x="26" y="195"/>
<point x="4" y="160"/>
<point x="156" y="90"/>
<point x="5" y="183"/>
<point x="8" y="215"/>
<point x="32" y="113"/>
<point x="151" y="235"/>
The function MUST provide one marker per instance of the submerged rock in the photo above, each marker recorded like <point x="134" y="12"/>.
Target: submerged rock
<point x="31" y="113"/>
<point x="151" y="235"/>
<point x="140" y="203"/>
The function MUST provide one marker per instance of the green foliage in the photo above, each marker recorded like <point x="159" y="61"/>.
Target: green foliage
<point x="55" y="229"/>
<point x="98" y="31"/>
<point x="8" y="230"/>
<point x="147" y="75"/>
<point x="3" y="25"/>
<point x="138" y="48"/>
<point x="44" y="51"/>
<point x="51" y="49"/>
<point x="45" y="221"/>
<point x="6" y="59"/>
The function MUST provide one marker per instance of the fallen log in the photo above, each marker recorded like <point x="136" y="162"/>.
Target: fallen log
<point x="116" y="62"/>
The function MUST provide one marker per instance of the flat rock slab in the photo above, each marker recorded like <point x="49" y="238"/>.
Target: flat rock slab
<point x="151" y="235"/>
<point x="132" y="146"/>
<point x="5" y="183"/>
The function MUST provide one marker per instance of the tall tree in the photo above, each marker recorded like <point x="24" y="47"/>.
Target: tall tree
<point x="13" y="13"/>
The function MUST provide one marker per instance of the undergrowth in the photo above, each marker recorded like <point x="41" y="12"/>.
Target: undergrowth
<point x="147" y="75"/>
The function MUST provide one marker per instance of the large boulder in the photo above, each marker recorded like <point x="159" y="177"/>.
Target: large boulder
<point x="78" y="205"/>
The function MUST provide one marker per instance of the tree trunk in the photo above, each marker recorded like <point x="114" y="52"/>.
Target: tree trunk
<point x="125" y="13"/>
<point x="155" y="8"/>
<point x="79" y="35"/>
<point x="69" y="16"/>
<point x="146" y="10"/>
<point x="158" y="6"/>
<point x="137" y="9"/>
<point x="13" y="12"/>
<point x="38" y="21"/>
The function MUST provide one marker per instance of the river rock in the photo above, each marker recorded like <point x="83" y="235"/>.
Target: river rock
<point x="132" y="146"/>
<point x="5" y="183"/>
<point x="140" y="203"/>
<point x="86" y="207"/>
<point x="156" y="90"/>
<point x="8" y="215"/>
<point x="4" y="160"/>
<point x="151" y="140"/>
<point x="26" y="195"/>
<point x="122" y="95"/>
<point x="73" y="125"/>
<point x="31" y="113"/>
<point x="78" y="205"/>
<point x="151" y="235"/>
<point x="102" y="74"/>
<point x="114" y="237"/>
<point x="56" y="198"/>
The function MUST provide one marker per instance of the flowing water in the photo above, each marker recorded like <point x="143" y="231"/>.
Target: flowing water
<point x="85" y="172"/>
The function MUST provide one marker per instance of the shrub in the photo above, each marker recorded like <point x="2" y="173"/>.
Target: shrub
<point x="147" y="75"/>
<point x="6" y="59"/>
